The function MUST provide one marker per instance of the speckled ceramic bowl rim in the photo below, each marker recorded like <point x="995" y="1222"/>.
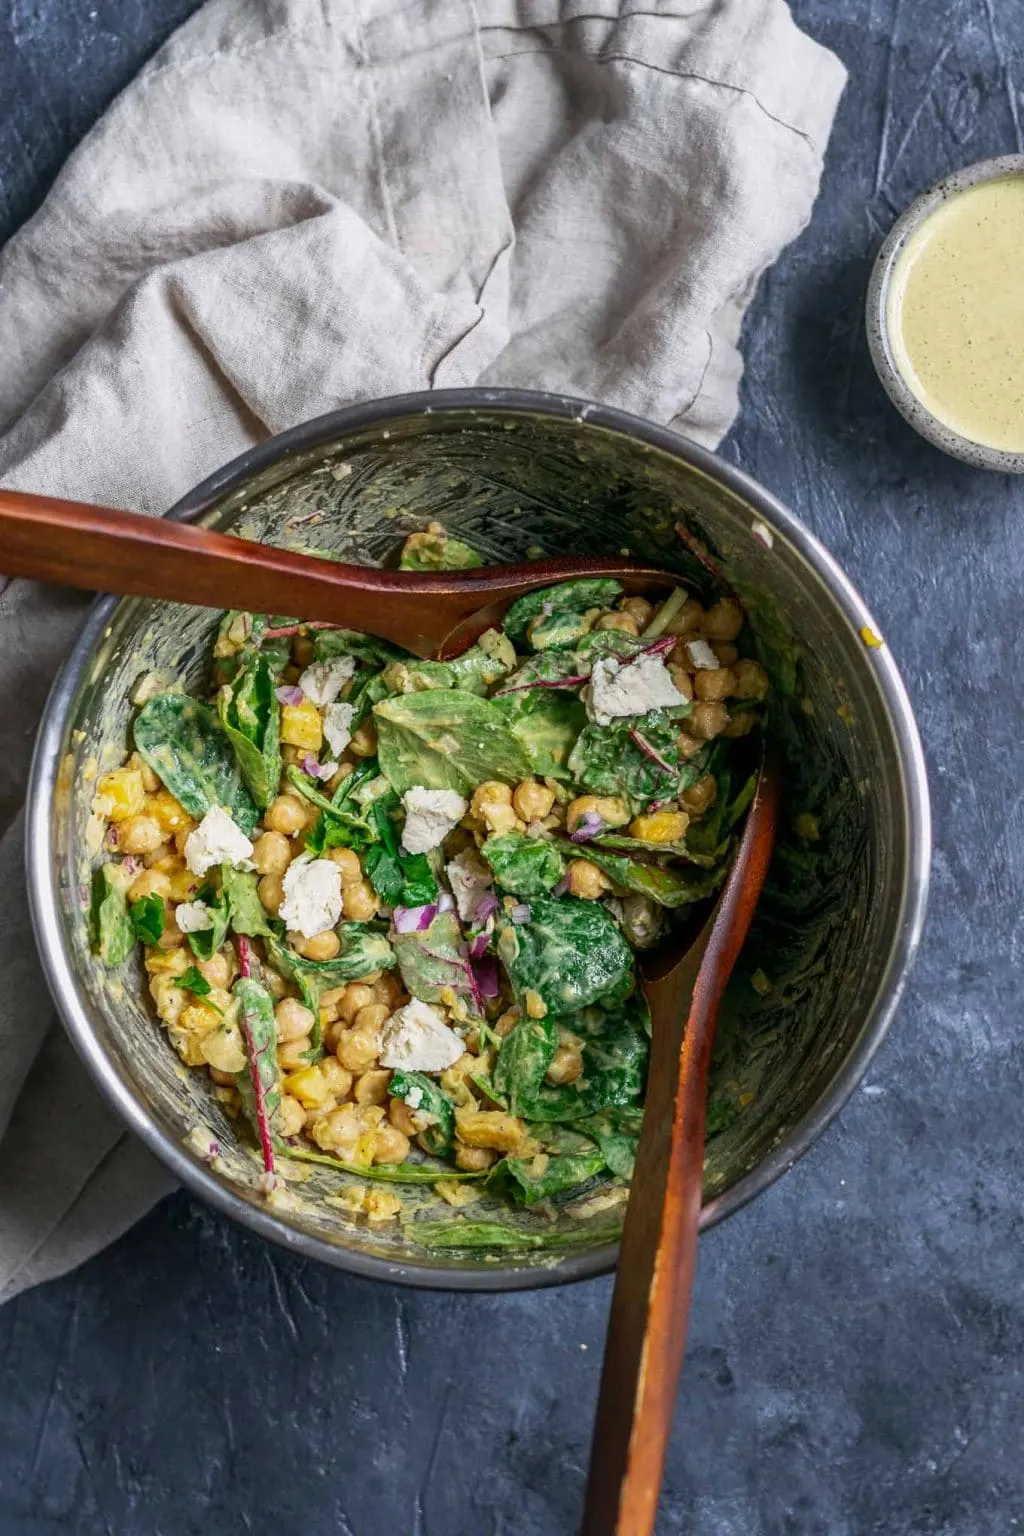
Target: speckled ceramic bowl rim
<point x="896" y="387"/>
<point x="908" y="767"/>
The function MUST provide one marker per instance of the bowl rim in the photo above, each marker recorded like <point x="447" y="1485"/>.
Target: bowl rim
<point x="44" y="899"/>
<point x="876" y="316"/>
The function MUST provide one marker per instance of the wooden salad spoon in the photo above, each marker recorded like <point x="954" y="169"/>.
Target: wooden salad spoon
<point x="104" y="549"/>
<point x="684" y="985"/>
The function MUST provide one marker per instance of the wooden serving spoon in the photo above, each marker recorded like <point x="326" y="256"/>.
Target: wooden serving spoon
<point x="643" y="1354"/>
<point x="103" y="549"/>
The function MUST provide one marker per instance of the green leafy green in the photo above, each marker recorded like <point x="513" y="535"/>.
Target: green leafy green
<point x="363" y="950"/>
<point x="113" y="937"/>
<point x="527" y="866"/>
<point x="246" y="911"/>
<point x="368" y="649"/>
<point x="181" y="740"/>
<point x="148" y="919"/>
<point x="571" y="953"/>
<point x="251" y="718"/>
<point x="446" y="740"/>
<point x="194" y="981"/>
<point x="617" y="1133"/>
<point x="523" y="1059"/>
<point x="258" y="1083"/>
<point x="205" y="942"/>
<point x="474" y="671"/>
<point x="558" y="631"/>
<point x="435" y="959"/>
<point x="430" y="1099"/>
<point x="400" y="879"/>
<point x="615" y="1048"/>
<point x="568" y="597"/>
<point x="547" y="723"/>
<point x="617" y="759"/>
<point x="670" y="885"/>
<point x="494" y="1234"/>
<point x="437" y="552"/>
<point x="532" y="1179"/>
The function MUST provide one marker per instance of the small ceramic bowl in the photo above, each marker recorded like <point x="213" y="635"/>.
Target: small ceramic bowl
<point x="883" y="353"/>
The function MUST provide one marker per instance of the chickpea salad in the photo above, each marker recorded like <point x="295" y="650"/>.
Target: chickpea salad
<point x="392" y="907"/>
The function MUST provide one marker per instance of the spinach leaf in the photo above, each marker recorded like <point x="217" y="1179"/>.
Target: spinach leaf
<point x="616" y="842"/>
<point x="474" y="671"/>
<point x="113" y="937"/>
<point x="558" y="631"/>
<point x="446" y="740"/>
<point x="247" y="915"/>
<point x="532" y="1179"/>
<point x="709" y="837"/>
<point x="205" y="942"/>
<point x="366" y="691"/>
<point x="670" y="885"/>
<point x="615" y="1051"/>
<point x="437" y="552"/>
<point x="148" y="919"/>
<point x="343" y="820"/>
<point x="194" y="981"/>
<point x="251" y="718"/>
<point x="258" y="1084"/>
<point x="567" y="597"/>
<point x="181" y="740"/>
<point x="610" y="760"/>
<point x="547" y="723"/>
<point x="435" y="960"/>
<point x="431" y="1100"/>
<point x="400" y="879"/>
<point x="330" y="643"/>
<point x="523" y="1059"/>
<point x="363" y="950"/>
<point x="617" y="1133"/>
<point x="493" y="1234"/>
<point x="527" y="866"/>
<point x="572" y="953"/>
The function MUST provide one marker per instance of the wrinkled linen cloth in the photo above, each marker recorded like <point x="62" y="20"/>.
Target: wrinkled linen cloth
<point x="302" y="203"/>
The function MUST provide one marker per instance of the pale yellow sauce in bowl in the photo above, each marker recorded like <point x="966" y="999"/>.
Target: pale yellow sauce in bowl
<point x="946" y="314"/>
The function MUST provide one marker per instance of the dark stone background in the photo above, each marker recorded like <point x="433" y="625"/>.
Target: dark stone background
<point x="855" y="1360"/>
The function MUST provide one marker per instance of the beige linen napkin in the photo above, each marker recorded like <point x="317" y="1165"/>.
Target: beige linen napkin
<point x="301" y="203"/>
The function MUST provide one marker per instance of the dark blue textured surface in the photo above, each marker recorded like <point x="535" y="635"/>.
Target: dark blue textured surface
<point x="856" y="1362"/>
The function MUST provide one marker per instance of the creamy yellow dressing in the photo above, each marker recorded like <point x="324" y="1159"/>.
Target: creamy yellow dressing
<point x="955" y="313"/>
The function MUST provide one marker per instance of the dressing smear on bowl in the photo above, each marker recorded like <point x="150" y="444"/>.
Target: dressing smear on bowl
<point x="955" y="313"/>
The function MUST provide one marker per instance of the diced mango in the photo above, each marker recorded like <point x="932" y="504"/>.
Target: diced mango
<point x="169" y="813"/>
<point x="660" y="827"/>
<point x="301" y="726"/>
<point x="124" y="791"/>
<point x="309" y="1086"/>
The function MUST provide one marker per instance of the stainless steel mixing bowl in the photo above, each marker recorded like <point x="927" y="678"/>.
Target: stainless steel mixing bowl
<point x="518" y="474"/>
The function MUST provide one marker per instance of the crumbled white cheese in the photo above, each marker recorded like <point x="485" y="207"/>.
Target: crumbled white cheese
<point x="338" y="726"/>
<point x="701" y="655"/>
<point x="417" y="1039"/>
<point x="469" y="877"/>
<point x="324" y="680"/>
<point x="216" y="840"/>
<point x="616" y="691"/>
<point x="312" y="896"/>
<point x="414" y="1098"/>
<point x="193" y="917"/>
<point x="430" y="814"/>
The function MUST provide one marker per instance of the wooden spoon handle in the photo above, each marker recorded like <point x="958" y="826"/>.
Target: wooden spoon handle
<point x="651" y="1300"/>
<point x="105" y="549"/>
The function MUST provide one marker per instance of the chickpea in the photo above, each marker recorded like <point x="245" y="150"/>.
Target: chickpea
<point x="681" y="678"/>
<point x="364" y="740"/>
<point x="566" y="1065"/>
<point x="274" y="982"/>
<point x="340" y="1130"/>
<point x="293" y="1019"/>
<point x="371" y="1019"/>
<point x="164" y="851"/>
<point x="532" y="801"/>
<point x="152" y="882"/>
<point x="360" y="901"/>
<point x="612" y="811"/>
<point x="390" y="1145"/>
<point x="291" y="1056"/>
<point x="536" y="1007"/>
<point x="337" y="1078"/>
<point x="150" y="781"/>
<point x="272" y="853"/>
<point x="401" y="1117"/>
<point x="700" y="796"/>
<point x="172" y="936"/>
<point x="507" y="1022"/>
<point x="303" y="651"/>
<point x="387" y="989"/>
<point x="218" y="970"/>
<point x="353" y="998"/>
<point x="708" y="720"/>
<point x="724" y="620"/>
<point x="180" y="839"/>
<point x="271" y="893"/>
<point x="293" y="1116"/>
<point x="586" y="880"/>
<point x="740" y="724"/>
<point x="688" y="620"/>
<point x="286" y="814"/>
<point x="621" y="621"/>
<point x="223" y="1079"/>
<point x="474" y="1159"/>
<point x="357" y="1049"/>
<point x="490" y="792"/>
<point x="290" y="754"/>
<point x="727" y="655"/>
<point x="372" y="1087"/>
<point x="322" y="946"/>
<point x="640" y="609"/>
<point x="348" y="863"/>
<point x="345" y="770"/>
<point x="140" y="834"/>
<point x="751" y="680"/>
<point x="687" y="746"/>
<point x="714" y="683"/>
